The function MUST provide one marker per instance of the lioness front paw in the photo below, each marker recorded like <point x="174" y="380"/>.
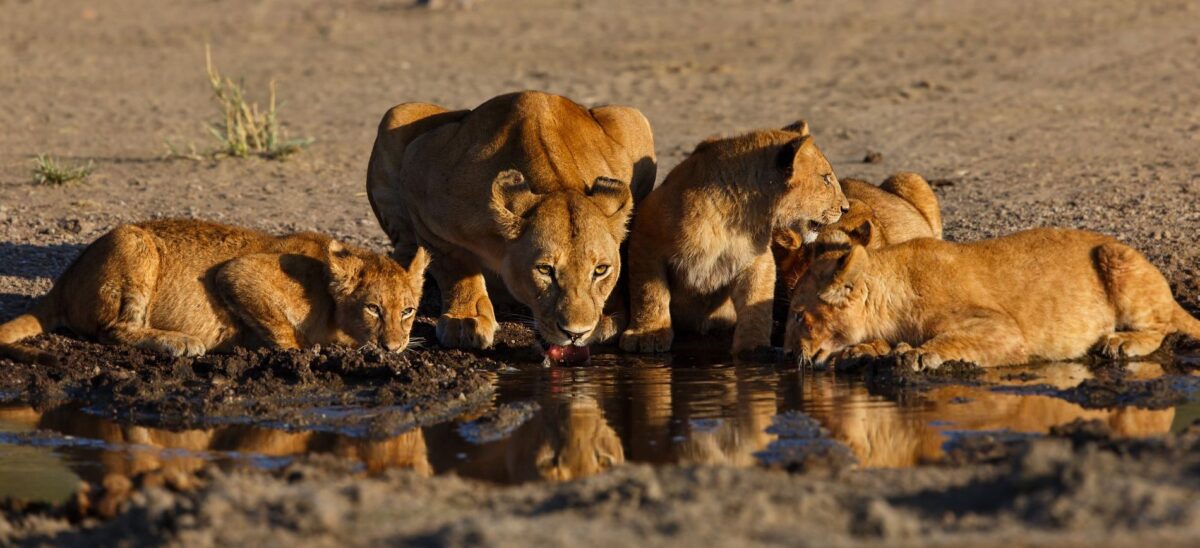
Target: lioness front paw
<point x="918" y="359"/>
<point x="607" y="329"/>
<point x="647" y="341"/>
<point x="475" y="332"/>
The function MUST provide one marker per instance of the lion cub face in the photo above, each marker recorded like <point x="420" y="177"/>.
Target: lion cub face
<point x="828" y="306"/>
<point x="563" y="252"/>
<point x="375" y="299"/>
<point x="811" y="196"/>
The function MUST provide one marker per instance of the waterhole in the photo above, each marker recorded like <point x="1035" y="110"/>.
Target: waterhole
<point x="562" y="423"/>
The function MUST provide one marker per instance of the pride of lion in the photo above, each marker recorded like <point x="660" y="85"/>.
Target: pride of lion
<point x="547" y="199"/>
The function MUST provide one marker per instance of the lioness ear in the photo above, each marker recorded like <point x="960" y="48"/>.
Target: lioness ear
<point x="344" y="269"/>
<point x="615" y="199"/>
<point x="865" y="234"/>
<point x="511" y="200"/>
<point x="799" y="126"/>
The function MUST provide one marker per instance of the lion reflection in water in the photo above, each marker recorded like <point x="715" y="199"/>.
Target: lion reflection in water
<point x="884" y="435"/>
<point x="153" y="449"/>
<point x="567" y="440"/>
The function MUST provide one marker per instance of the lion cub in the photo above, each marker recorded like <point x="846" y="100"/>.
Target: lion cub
<point x="184" y="287"/>
<point x="902" y="208"/>
<point x="1042" y="294"/>
<point x="700" y="250"/>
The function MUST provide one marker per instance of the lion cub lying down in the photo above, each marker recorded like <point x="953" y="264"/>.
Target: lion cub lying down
<point x="700" y="249"/>
<point x="902" y="208"/>
<point x="183" y="287"/>
<point x="1042" y="294"/>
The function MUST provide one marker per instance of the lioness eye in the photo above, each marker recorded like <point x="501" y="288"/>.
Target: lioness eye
<point x="828" y="179"/>
<point x="797" y="317"/>
<point x="374" y="310"/>
<point x="601" y="270"/>
<point x="408" y="312"/>
<point x="545" y="270"/>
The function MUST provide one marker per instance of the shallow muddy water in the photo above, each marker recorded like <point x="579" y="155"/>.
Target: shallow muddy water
<point x="563" y="423"/>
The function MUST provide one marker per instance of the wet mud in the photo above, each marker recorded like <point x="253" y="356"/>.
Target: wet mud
<point x="1079" y="483"/>
<point x="292" y="389"/>
<point x="212" y="449"/>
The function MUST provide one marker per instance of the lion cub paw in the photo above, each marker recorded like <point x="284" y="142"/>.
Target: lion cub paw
<point x="918" y="359"/>
<point x="175" y="344"/>
<point x="647" y="341"/>
<point x="1127" y="345"/>
<point x="854" y="354"/>
<point x="475" y="332"/>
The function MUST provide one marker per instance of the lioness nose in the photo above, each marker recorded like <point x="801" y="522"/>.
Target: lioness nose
<point x="394" y="346"/>
<point x="845" y="206"/>
<point x="573" y="333"/>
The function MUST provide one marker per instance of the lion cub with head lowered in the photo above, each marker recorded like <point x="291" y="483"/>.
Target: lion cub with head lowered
<point x="1042" y="294"/>
<point x="700" y="250"/>
<point x="184" y="287"/>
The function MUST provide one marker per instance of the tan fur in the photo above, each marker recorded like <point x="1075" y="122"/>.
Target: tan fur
<point x="882" y="434"/>
<point x="566" y="441"/>
<point x="528" y="185"/>
<point x="902" y="208"/>
<point x="699" y="255"/>
<point x="184" y="287"/>
<point x="1042" y="294"/>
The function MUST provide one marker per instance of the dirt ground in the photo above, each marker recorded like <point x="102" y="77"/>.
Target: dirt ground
<point x="1023" y="113"/>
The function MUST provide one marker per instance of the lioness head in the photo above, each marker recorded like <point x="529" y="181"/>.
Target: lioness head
<point x="563" y="251"/>
<point x="375" y="299"/>
<point x="828" y="306"/>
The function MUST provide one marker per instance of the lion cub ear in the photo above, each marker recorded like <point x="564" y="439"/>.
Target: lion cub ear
<point x="787" y="239"/>
<point x="865" y="234"/>
<point x="345" y="269"/>
<point x="845" y="276"/>
<point x="512" y="198"/>
<point x="799" y="126"/>
<point x="790" y="154"/>
<point x="415" y="267"/>
<point x="615" y="199"/>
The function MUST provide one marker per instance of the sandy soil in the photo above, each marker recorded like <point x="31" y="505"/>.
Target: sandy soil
<point x="1024" y="113"/>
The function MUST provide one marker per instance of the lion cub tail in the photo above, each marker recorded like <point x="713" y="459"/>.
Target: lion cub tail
<point x="916" y="191"/>
<point x="39" y="319"/>
<point x="1186" y="323"/>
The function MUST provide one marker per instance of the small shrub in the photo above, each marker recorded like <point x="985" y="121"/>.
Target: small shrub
<point x="243" y="128"/>
<point x="48" y="171"/>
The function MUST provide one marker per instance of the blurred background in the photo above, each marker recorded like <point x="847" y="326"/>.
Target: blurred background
<point x="1022" y="113"/>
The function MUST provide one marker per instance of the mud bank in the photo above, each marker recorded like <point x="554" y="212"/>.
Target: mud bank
<point x="301" y="389"/>
<point x="1080" y="484"/>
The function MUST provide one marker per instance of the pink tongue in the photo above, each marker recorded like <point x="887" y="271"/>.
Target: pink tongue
<point x="568" y="354"/>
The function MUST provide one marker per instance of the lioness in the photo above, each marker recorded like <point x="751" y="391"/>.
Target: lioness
<point x="1041" y="294"/>
<point x="528" y="185"/>
<point x="184" y="287"/>
<point x="902" y="208"/>
<point x="700" y="252"/>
